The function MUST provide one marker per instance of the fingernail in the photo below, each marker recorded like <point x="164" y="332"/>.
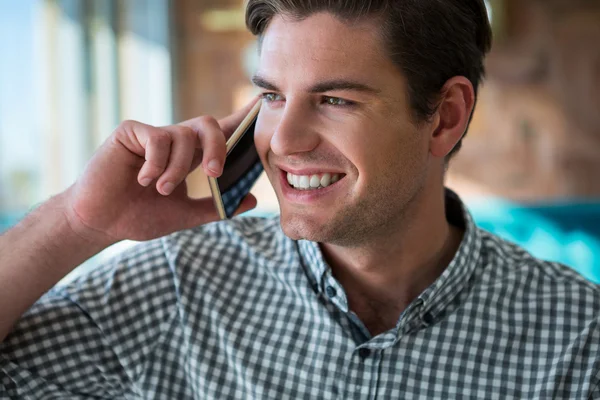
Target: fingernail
<point x="214" y="166"/>
<point x="145" y="182"/>
<point x="168" y="188"/>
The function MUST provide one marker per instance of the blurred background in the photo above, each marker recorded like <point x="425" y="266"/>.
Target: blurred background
<point x="70" y="70"/>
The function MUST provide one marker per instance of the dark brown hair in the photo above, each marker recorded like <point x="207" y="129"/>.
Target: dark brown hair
<point x="430" y="40"/>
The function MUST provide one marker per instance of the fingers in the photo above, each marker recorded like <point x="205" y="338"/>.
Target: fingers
<point x="167" y="152"/>
<point x="183" y="144"/>
<point x="211" y="141"/>
<point x="213" y="137"/>
<point x="157" y="146"/>
<point x="172" y="152"/>
<point x="149" y="143"/>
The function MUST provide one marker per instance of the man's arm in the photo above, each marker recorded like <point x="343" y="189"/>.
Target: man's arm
<point x="133" y="188"/>
<point x="96" y="336"/>
<point x="35" y="255"/>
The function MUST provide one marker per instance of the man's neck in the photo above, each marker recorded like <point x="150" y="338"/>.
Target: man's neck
<point x="383" y="277"/>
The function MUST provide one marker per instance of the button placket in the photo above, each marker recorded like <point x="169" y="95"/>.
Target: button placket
<point x="364" y="353"/>
<point x="364" y="369"/>
<point x="333" y="291"/>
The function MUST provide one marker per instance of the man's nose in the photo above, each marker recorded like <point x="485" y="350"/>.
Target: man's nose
<point x="294" y="132"/>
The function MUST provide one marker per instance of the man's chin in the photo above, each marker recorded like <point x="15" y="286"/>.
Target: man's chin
<point x="300" y="227"/>
<point x="338" y="229"/>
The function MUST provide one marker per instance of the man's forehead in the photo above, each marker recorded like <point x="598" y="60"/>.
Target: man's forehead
<point x="321" y="37"/>
<point x="319" y="47"/>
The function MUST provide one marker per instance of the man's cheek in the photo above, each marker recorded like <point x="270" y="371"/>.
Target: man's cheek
<point x="262" y="140"/>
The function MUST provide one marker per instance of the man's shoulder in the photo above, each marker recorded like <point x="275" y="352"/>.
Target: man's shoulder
<point x="505" y="262"/>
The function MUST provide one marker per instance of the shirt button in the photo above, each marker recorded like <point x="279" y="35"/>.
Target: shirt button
<point x="330" y="290"/>
<point x="364" y="353"/>
<point x="428" y="318"/>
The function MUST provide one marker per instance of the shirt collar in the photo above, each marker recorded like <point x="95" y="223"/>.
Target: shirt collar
<point x="437" y="299"/>
<point x="314" y="263"/>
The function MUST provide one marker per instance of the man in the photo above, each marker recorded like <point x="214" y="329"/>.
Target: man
<point x="376" y="284"/>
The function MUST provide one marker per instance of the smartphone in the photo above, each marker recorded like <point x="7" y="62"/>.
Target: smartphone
<point x="242" y="168"/>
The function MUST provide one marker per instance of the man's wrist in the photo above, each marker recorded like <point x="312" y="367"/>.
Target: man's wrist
<point x="55" y="237"/>
<point x="75" y="229"/>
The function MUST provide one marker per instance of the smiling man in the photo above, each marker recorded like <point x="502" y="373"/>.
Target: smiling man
<point x="335" y="104"/>
<point x="372" y="283"/>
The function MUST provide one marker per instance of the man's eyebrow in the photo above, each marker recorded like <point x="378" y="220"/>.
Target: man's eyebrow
<point x="263" y="83"/>
<point x="321" y="87"/>
<point x="342" y="84"/>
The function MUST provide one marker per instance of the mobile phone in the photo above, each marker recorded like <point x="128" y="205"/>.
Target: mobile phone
<point x="242" y="168"/>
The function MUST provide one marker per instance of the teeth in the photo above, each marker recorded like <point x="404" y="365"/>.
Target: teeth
<point x="315" y="182"/>
<point x="326" y="180"/>
<point x="306" y="182"/>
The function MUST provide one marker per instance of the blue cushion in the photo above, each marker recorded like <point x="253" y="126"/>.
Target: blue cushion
<point x="568" y="233"/>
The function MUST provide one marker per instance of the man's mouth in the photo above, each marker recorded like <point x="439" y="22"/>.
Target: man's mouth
<point x="313" y="182"/>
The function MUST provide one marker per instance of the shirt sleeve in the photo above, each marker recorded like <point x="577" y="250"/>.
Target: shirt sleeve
<point x="93" y="337"/>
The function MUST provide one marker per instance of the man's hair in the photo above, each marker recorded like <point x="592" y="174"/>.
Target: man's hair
<point x="430" y="41"/>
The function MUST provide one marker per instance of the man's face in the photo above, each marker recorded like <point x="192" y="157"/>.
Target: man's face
<point x="335" y="104"/>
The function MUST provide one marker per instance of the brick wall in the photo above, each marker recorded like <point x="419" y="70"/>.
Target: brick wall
<point x="536" y="133"/>
<point x="210" y="78"/>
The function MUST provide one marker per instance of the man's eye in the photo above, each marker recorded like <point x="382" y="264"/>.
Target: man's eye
<point x="271" y="97"/>
<point x="336" y="101"/>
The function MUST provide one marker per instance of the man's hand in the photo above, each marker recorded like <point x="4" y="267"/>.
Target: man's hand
<point x="134" y="186"/>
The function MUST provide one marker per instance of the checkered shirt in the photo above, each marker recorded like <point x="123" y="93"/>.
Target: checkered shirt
<point x="236" y="310"/>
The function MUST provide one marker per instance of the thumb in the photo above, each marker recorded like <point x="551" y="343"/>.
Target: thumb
<point x="196" y="212"/>
<point x="203" y="211"/>
<point x="247" y="204"/>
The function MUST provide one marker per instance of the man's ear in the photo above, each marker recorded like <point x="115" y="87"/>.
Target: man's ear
<point x="454" y="111"/>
